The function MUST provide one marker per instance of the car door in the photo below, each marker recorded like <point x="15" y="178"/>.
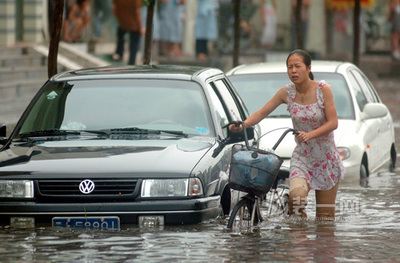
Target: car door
<point x="369" y="129"/>
<point x="384" y="124"/>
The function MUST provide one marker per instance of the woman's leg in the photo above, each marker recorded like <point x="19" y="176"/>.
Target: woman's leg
<point x="326" y="203"/>
<point x="298" y="193"/>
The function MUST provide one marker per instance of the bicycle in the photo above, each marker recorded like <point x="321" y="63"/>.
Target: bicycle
<point x="246" y="213"/>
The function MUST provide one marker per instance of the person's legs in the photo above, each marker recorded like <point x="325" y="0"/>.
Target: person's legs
<point x="326" y="202"/>
<point x="298" y="192"/>
<point x="119" y="51"/>
<point x="201" y="49"/>
<point x="134" y="41"/>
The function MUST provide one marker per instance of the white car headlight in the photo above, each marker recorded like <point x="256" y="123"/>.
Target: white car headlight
<point x="16" y="189"/>
<point x="344" y="153"/>
<point x="171" y="187"/>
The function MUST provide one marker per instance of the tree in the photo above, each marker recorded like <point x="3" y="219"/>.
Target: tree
<point x="356" y="28"/>
<point x="148" y="37"/>
<point x="299" y="24"/>
<point x="57" y="10"/>
<point x="236" y="26"/>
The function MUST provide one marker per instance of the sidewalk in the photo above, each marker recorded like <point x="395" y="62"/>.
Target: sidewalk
<point x="373" y="65"/>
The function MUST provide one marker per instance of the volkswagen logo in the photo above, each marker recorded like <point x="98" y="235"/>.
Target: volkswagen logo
<point x="86" y="186"/>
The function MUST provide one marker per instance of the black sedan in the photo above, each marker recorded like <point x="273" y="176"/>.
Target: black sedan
<point x="121" y="145"/>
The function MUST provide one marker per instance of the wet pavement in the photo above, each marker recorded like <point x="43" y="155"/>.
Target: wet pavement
<point x="367" y="229"/>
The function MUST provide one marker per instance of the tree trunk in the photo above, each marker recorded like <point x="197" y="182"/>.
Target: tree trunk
<point x="299" y="24"/>
<point x="148" y="38"/>
<point x="236" y="25"/>
<point x="329" y="27"/>
<point x="57" y="8"/>
<point x="356" y="30"/>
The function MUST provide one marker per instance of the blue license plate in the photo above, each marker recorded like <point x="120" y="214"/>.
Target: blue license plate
<point x="110" y="223"/>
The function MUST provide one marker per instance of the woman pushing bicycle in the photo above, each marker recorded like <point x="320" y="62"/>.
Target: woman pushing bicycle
<point x="315" y="163"/>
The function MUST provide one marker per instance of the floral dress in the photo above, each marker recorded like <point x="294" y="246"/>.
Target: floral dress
<point x="316" y="160"/>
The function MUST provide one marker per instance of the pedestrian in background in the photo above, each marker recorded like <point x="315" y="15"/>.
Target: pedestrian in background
<point x="315" y="163"/>
<point x="394" y="19"/>
<point x="171" y="15"/>
<point x="76" y="21"/>
<point x="206" y="27"/>
<point x="269" y="21"/>
<point x="100" y="13"/>
<point x="127" y="13"/>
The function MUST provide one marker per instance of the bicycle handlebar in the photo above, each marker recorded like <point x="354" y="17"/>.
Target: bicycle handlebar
<point x="295" y="132"/>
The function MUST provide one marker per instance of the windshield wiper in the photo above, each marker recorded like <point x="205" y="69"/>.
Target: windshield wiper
<point x="136" y="130"/>
<point x="50" y="132"/>
<point x="56" y="132"/>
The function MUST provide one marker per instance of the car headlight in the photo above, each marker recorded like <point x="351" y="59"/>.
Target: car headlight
<point x="171" y="187"/>
<point x="16" y="189"/>
<point x="344" y="153"/>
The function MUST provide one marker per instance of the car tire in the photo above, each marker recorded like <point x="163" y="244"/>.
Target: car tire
<point x="393" y="157"/>
<point x="226" y="201"/>
<point x="364" y="174"/>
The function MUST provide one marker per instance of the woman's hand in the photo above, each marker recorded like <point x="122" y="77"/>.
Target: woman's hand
<point x="304" y="136"/>
<point x="236" y="127"/>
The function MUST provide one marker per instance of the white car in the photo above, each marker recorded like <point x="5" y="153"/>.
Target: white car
<point x="365" y="135"/>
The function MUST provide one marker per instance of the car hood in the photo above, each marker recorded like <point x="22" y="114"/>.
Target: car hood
<point x="177" y="156"/>
<point x="273" y="128"/>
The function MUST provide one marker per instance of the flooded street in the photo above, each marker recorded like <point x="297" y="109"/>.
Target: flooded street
<point x="367" y="229"/>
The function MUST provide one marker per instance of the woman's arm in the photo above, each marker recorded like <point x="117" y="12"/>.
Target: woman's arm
<point x="254" y="118"/>
<point x="331" y="117"/>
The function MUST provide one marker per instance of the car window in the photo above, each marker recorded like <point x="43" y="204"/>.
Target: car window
<point x="257" y="89"/>
<point x="121" y="103"/>
<point x="228" y="99"/>
<point x="360" y="96"/>
<point x="341" y="93"/>
<point x="366" y="86"/>
<point x="221" y="115"/>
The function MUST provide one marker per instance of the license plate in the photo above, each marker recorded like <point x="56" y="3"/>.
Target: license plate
<point x="109" y="223"/>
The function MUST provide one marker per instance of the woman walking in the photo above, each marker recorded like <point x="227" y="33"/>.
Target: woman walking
<point x="315" y="163"/>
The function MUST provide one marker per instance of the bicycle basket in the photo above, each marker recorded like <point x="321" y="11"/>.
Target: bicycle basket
<point x="253" y="171"/>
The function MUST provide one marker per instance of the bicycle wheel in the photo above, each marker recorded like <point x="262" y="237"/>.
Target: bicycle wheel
<point x="276" y="202"/>
<point x="240" y="217"/>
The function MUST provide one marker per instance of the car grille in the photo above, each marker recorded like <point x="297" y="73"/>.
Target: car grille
<point x="103" y="187"/>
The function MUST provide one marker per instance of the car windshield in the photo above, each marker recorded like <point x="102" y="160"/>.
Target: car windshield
<point x="256" y="89"/>
<point x="123" y="104"/>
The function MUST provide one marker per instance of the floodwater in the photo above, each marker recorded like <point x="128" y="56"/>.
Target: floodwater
<point x="367" y="229"/>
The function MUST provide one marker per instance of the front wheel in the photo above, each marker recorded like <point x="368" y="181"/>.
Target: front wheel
<point x="393" y="157"/>
<point x="240" y="217"/>
<point x="364" y="175"/>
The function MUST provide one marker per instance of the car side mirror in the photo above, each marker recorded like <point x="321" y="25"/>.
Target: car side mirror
<point x="3" y="134"/>
<point x="374" y="110"/>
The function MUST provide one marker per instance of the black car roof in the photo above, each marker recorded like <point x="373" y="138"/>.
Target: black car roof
<point x="139" y="71"/>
